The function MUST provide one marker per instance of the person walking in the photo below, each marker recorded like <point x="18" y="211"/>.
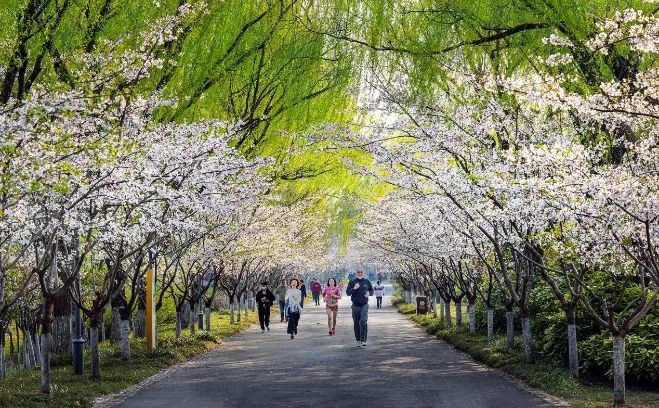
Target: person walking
<point x="293" y="307"/>
<point x="280" y="293"/>
<point x="264" y="300"/>
<point x="303" y="291"/>
<point x="379" y="293"/>
<point x="331" y="295"/>
<point x="359" y="289"/>
<point x="316" y="290"/>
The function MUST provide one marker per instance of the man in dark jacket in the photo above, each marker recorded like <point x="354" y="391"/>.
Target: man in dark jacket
<point x="264" y="299"/>
<point x="359" y="289"/>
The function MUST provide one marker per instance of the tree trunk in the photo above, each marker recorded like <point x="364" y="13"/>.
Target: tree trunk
<point x="179" y="323"/>
<point x="442" y="309"/>
<point x="125" y="339"/>
<point x="28" y="351"/>
<point x="61" y="332"/>
<point x="245" y="305"/>
<point x="185" y="316"/>
<point x="618" y="369"/>
<point x="103" y="336"/>
<point x="45" y="346"/>
<point x="193" y="320"/>
<point x="471" y="311"/>
<point x="528" y="340"/>
<point x="62" y="335"/>
<point x="573" y="353"/>
<point x="490" y="324"/>
<point x="140" y="323"/>
<point x="36" y="341"/>
<point x="115" y="327"/>
<point x="447" y="310"/>
<point x="208" y="319"/>
<point x="3" y="372"/>
<point x="458" y="312"/>
<point x="238" y="311"/>
<point x="95" y="354"/>
<point x="232" y="319"/>
<point x="510" y="330"/>
<point x="45" y="363"/>
<point x="140" y="316"/>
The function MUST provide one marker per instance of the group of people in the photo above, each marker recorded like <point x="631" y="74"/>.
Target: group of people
<point x="291" y="302"/>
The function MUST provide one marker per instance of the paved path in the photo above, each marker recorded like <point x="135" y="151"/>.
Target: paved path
<point x="401" y="367"/>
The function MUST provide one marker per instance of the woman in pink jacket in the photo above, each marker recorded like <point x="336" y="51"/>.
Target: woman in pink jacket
<point x="331" y="295"/>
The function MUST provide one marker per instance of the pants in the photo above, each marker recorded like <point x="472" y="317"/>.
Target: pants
<point x="316" y="298"/>
<point x="282" y="306"/>
<point x="293" y="320"/>
<point x="360" y="319"/>
<point x="332" y="311"/>
<point x="264" y="316"/>
<point x="379" y="299"/>
<point x="302" y="302"/>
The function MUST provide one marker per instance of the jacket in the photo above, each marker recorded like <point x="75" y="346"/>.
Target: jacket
<point x="358" y="296"/>
<point x="264" y="300"/>
<point x="281" y="293"/>
<point x="379" y="290"/>
<point x="316" y="287"/>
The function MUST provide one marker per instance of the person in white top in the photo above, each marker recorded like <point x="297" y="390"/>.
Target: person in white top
<point x="379" y="293"/>
<point x="293" y="308"/>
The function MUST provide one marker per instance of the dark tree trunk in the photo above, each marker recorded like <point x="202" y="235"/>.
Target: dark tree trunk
<point x="62" y="325"/>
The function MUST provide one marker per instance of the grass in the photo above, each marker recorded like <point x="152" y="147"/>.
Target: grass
<point x="546" y="376"/>
<point x="21" y="390"/>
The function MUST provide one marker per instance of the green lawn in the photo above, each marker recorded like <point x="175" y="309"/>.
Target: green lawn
<point x="553" y="379"/>
<point x="21" y="390"/>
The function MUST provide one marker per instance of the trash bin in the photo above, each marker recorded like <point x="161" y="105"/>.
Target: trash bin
<point x="421" y="305"/>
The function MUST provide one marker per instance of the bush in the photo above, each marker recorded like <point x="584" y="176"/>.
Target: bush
<point x="641" y="352"/>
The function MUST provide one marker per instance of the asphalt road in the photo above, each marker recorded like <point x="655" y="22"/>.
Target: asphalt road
<point x="401" y="367"/>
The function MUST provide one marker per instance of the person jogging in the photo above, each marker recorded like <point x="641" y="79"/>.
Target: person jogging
<point x="280" y="292"/>
<point x="293" y="307"/>
<point x="379" y="293"/>
<point x="331" y="295"/>
<point x="359" y="289"/>
<point x="264" y="299"/>
<point x="316" y="290"/>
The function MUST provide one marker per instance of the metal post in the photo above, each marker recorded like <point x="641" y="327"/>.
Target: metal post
<point x="78" y="341"/>
<point x="150" y="304"/>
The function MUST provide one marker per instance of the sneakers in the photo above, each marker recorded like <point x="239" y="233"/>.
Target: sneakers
<point x="363" y="344"/>
<point x="282" y="320"/>
<point x="330" y="332"/>
<point x="292" y="336"/>
<point x="334" y="330"/>
<point x="267" y="328"/>
<point x="359" y="344"/>
<point x="262" y="331"/>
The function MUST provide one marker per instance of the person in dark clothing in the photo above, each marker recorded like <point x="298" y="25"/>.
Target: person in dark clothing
<point x="303" y="290"/>
<point x="359" y="289"/>
<point x="264" y="299"/>
<point x="316" y="290"/>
